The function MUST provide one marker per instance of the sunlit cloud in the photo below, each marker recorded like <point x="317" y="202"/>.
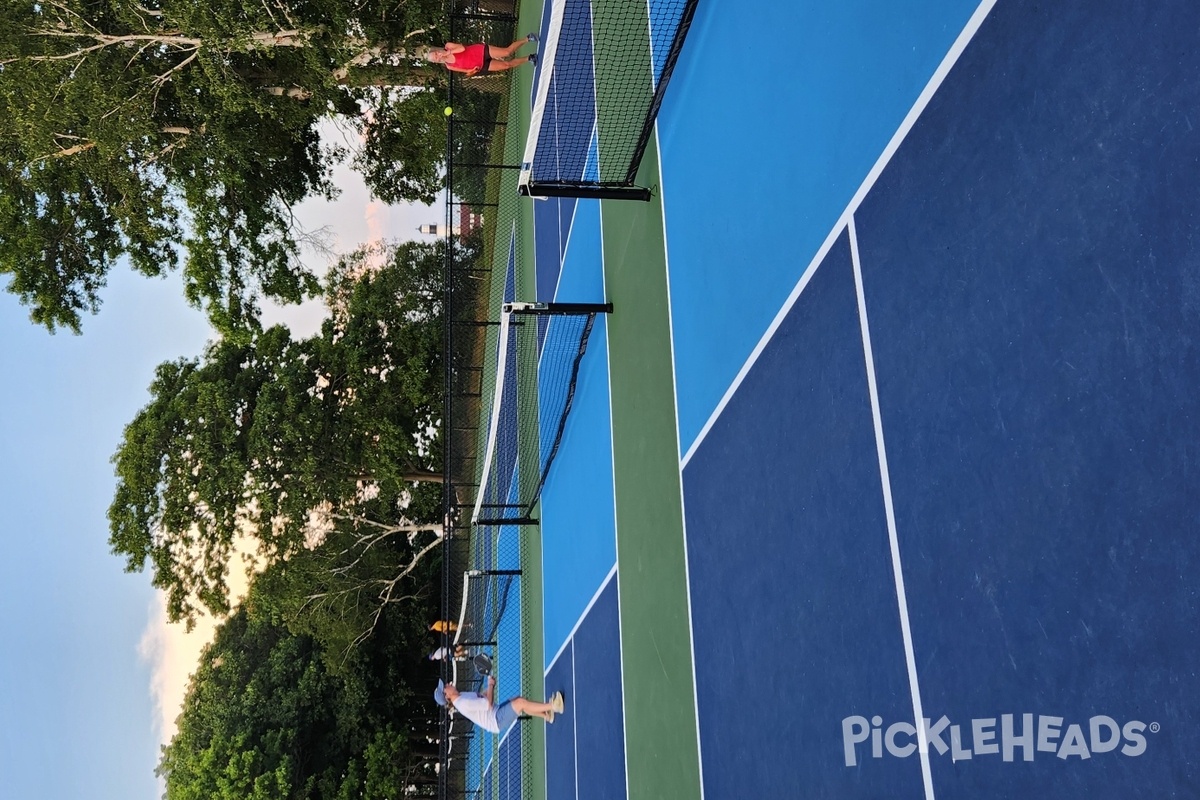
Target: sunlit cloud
<point x="377" y="221"/>
<point x="173" y="652"/>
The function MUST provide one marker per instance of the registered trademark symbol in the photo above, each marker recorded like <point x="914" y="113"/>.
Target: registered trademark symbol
<point x="1155" y="727"/>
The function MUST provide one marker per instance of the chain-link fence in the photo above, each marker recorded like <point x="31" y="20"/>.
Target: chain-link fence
<point x="483" y="255"/>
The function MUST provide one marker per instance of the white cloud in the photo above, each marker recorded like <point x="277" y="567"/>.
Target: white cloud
<point x="173" y="652"/>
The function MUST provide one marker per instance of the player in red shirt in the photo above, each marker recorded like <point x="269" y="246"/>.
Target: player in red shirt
<point x="476" y="59"/>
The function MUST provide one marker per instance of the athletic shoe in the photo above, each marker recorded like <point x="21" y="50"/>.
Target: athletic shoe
<point x="556" y="702"/>
<point x="531" y="37"/>
<point x="550" y="717"/>
<point x="532" y="58"/>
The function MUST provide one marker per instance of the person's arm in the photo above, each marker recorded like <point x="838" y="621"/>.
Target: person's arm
<point x="454" y="47"/>
<point x="490" y="691"/>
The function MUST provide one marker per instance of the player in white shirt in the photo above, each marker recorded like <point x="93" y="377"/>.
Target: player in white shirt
<point x="483" y="711"/>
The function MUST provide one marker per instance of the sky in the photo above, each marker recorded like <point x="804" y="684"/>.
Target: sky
<point x="91" y="674"/>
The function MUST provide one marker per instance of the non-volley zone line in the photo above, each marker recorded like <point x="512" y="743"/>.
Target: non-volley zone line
<point x="910" y="660"/>
<point x="845" y="223"/>
<point x="586" y="753"/>
<point x="612" y="573"/>
<point x="935" y="81"/>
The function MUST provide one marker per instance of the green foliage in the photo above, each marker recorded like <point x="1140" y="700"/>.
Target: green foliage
<point x="265" y="717"/>
<point x="263" y="430"/>
<point x="180" y="135"/>
<point x="340" y="591"/>
<point x="404" y="149"/>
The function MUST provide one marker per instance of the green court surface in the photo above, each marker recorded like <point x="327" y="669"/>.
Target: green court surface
<point x="662" y="758"/>
<point x="661" y="752"/>
<point x="661" y="755"/>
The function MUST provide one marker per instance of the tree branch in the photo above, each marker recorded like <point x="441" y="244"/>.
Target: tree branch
<point x="388" y="588"/>
<point x="386" y="594"/>
<point x="103" y="40"/>
<point x="295" y="92"/>
<point x="66" y="152"/>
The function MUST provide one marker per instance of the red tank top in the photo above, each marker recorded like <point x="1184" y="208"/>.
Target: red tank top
<point x="469" y="59"/>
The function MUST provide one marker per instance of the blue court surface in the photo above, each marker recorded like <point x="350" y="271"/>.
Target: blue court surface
<point x="934" y="276"/>
<point x="585" y="747"/>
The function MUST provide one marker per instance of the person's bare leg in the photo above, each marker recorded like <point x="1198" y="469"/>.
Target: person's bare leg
<point x="531" y="709"/>
<point x="506" y="52"/>
<point x="500" y="66"/>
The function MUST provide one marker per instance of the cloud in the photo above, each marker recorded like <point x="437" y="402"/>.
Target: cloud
<point x="173" y="652"/>
<point x="377" y="222"/>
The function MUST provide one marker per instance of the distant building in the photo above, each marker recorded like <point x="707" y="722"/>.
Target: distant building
<point x="433" y="229"/>
<point x="468" y="221"/>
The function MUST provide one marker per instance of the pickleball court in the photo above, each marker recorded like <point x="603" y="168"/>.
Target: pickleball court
<point x="891" y="435"/>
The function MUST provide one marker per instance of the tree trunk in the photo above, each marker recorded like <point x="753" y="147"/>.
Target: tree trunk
<point x="422" y="476"/>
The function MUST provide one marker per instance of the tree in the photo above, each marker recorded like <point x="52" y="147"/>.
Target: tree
<point x="128" y="129"/>
<point x="340" y="590"/>
<point x="265" y="718"/>
<point x="263" y="431"/>
<point x="404" y="147"/>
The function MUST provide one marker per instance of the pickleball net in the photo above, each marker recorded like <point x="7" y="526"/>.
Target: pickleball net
<point x="539" y="350"/>
<point x="485" y="599"/>
<point x="603" y="70"/>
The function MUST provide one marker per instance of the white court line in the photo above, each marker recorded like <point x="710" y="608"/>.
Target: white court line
<point x="893" y="540"/>
<point x="612" y="454"/>
<point x="595" y="132"/>
<point x="935" y="82"/>
<point x="571" y="636"/>
<point x="574" y="718"/>
<point x="548" y="51"/>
